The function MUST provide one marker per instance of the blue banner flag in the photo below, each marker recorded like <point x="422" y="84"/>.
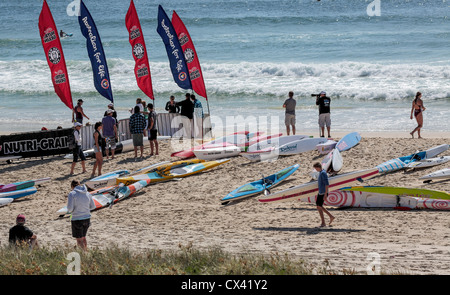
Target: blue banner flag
<point x="96" y="54"/>
<point x="175" y="53"/>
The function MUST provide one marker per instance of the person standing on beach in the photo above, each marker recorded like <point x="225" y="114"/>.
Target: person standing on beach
<point x="152" y="130"/>
<point x="80" y="204"/>
<point x="289" y="119"/>
<point x="78" y="113"/>
<point x="187" y="107"/>
<point x="77" y="149"/>
<point x="137" y="126"/>
<point x="114" y="113"/>
<point x="323" y="193"/>
<point x="323" y="101"/>
<point x="417" y="108"/>
<point x="171" y="105"/>
<point x="20" y="234"/>
<point x="110" y="133"/>
<point x="98" y="145"/>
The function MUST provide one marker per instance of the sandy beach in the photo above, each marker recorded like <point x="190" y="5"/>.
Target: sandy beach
<point x="164" y="215"/>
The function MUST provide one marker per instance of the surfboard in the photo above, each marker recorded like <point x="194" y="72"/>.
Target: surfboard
<point x="5" y="201"/>
<point x="428" y="162"/>
<point x="255" y="140"/>
<point x="402" y="191"/>
<point x="214" y="153"/>
<point x="173" y="170"/>
<point x="311" y="188"/>
<point x="22" y="184"/>
<point x="107" y="198"/>
<point x="260" y="155"/>
<point x="230" y="140"/>
<point x="258" y="186"/>
<point x="326" y="147"/>
<point x="16" y="194"/>
<point x="402" y="162"/>
<point x="105" y="180"/>
<point x="300" y="146"/>
<point x="358" y="199"/>
<point x="440" y="174"/>
<point x="274" y="142"/>
<point x="348" y="141"/>
<point x="148" y="169"/>
<point x="121" y="147"/>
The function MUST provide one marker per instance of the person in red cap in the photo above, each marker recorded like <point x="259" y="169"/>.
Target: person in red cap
<point x="20" y="234"/>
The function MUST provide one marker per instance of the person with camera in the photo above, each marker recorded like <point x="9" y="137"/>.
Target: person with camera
<point x="323" y="101"/>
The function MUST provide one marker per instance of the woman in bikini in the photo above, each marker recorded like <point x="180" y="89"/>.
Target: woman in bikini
<point x="417" y="108"/>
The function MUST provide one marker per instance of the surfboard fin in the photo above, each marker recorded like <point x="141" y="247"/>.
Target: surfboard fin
<point x="360" y="179"/>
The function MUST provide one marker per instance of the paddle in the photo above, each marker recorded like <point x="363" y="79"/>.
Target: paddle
<point x="115" y="192"/>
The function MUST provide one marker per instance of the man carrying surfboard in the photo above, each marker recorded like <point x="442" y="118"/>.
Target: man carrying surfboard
<point x="323" y="193"/>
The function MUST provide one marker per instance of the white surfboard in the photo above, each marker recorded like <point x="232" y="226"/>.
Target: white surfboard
<point x="326" y="147"/>
<point x="261" y="155"/>
<point x="300" y="146"/>
<point x="429" y="162"/>
<point x="440" y="174"/>
<point x="5" y="201"/>
<point x="275" y="142"/>
<point x="215" y="153"/>
<point x="311" y="188"/>
<point x="337" y="161"/>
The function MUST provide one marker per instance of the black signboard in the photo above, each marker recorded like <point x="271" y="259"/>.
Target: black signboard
<point x="37" y="144"/>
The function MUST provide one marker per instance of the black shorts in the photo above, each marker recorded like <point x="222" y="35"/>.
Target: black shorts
<point x="80" y="228"/>
<point x="78" y="152"/>
<point x="153" y="135"/>
<point x="320" y="200"/>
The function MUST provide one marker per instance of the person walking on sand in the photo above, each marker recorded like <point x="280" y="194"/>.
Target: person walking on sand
<point x="323" y="193"/>
<point x="80" y="204"/>
<point x="77" y="149"/>
<point x="152" y="131"/>
<point x="98" y="142"/>
<point x="20" y="234"/>
<point x="417" y="108"/>
<point x="78" y="113"/>
<point x="137" y="126"/>
<point x="289" y="119"/>
<point x="323" y="101"/>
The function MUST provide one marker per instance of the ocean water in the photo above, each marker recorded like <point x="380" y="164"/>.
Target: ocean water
<point x="370" y="62"/>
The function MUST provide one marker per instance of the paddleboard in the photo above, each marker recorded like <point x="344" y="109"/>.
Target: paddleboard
<point x="5" y="201"/>
<point x="22" y="184"/>
<point x="440" y="174"/>
<point x="16" y="194"/>
<point x="299" y="146"/>
<point x="429" y="162"/>
<point x="326" y="147"/>
<point x="260" y="155"/>
<point x="121" y="147"/>
<point x="189" y="153"/>
<point x="274" y="142"/>
<point x="149" y="168"/>
<point x="214" y="153"/>
<point x="402" y="191"/>
<point x="311" y="188"/>
<point x="244" y="146"/>
<point x="357" y="199"/>
<point x="9" y="158"/>
<point x="348" y="141"/>
<point x="256" y="187"/>
<point x="104" y="180"/>
<point x="107" y="198"/>
<point x="173" y="170"/>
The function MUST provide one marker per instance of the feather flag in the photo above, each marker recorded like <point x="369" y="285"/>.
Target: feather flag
<point x="175" y="54"/>
<point x="136" y="38"/>
<point x="190" y="55"/>
<point x="55" y="56"/>
<point x="95" y="51"/>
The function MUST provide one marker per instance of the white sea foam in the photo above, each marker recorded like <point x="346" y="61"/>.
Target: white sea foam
<point x="355" y="80"/>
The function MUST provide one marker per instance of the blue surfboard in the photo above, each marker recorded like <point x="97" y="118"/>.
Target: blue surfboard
<point x="348" y="141"/>
<point x="259" y="186"/>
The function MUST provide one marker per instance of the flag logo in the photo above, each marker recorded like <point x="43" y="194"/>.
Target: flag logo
<point x="54" y="55"/>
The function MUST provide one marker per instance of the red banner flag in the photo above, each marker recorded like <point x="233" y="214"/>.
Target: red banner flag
<point x="190" y="55"/>
<point x="142" y="67"/>
<point x="55" y="56"/>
